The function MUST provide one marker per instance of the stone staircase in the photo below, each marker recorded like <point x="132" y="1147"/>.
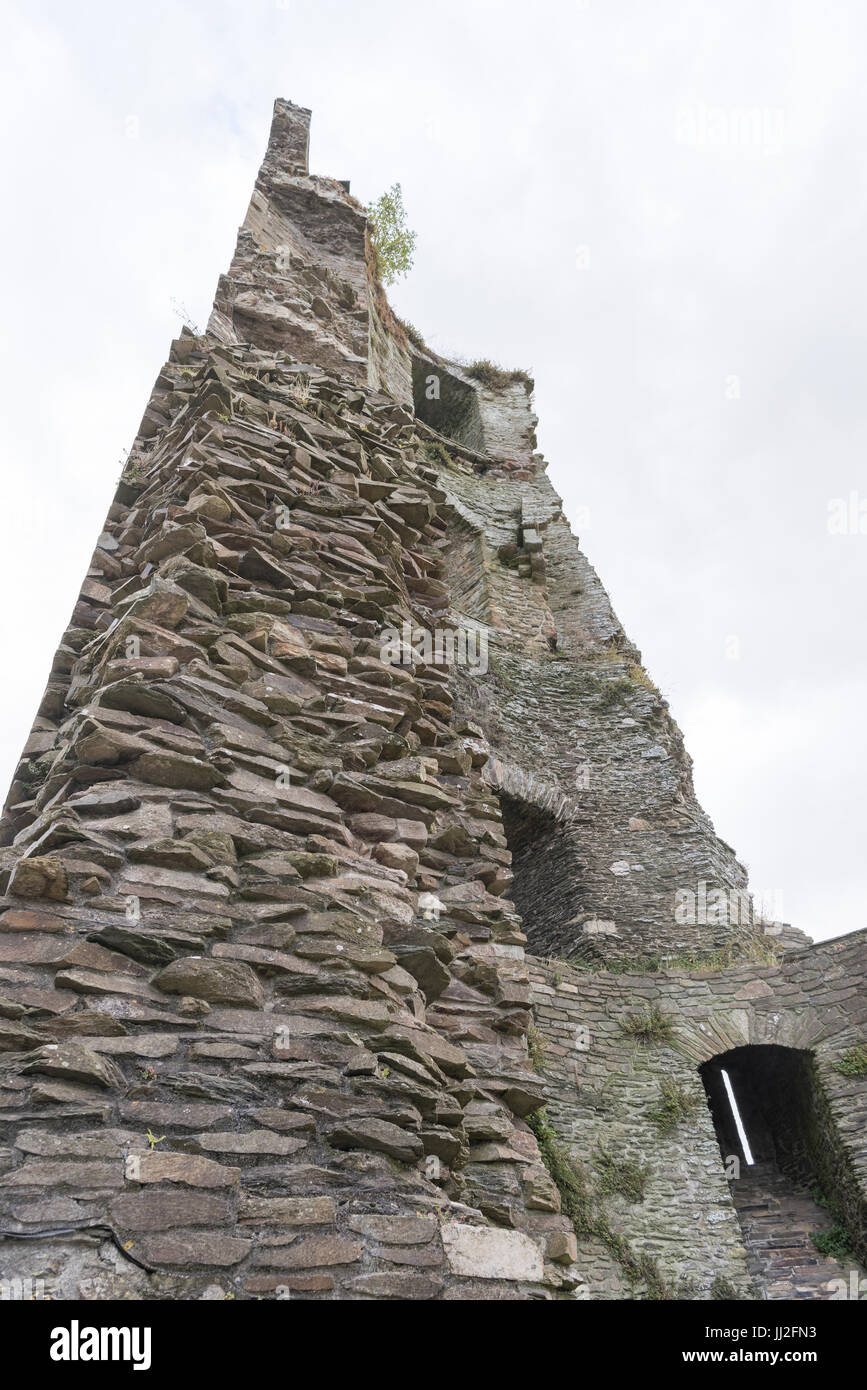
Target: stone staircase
<point x="777" y="1218"/>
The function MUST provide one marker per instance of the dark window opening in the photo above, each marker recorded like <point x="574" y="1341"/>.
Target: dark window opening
<point x="547" y="887"/>
<point x="450" y="406"/>
<point x="737" y="1118"/>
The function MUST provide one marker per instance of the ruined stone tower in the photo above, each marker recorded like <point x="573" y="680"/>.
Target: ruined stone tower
<point x="298" y="935"/>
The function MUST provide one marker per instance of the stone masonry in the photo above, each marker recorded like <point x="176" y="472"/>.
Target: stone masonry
<point x="267" y="1024"/>
<point x="604" y="1087"/>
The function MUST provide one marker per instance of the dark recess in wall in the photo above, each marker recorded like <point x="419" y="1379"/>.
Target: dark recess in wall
<point x="788" y="1123"/>
<point x="548" y="876"/>
<point x="454" y="412"/>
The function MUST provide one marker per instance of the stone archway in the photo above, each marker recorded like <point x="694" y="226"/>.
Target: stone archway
<point x="751" y="1020"/>
<point x="792" y="1184"/>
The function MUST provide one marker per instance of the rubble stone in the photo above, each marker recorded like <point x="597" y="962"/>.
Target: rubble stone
<point x="309" y="986"/>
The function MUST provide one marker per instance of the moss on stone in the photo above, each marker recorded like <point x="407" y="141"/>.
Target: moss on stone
<point x="414" y="336"/>
<point x="437" y="453"/>
<point x="638" y="676"/>
<point x="613" y="693"/>
<point x="134" y="472"/>
<point x="535" y="1048"/>
<point x="675" y="1105"/>
<point x="834" y="1242"/>
<point x="496" y="378"/>
<point x="652" y="1027"/>
<point x="590" y="1223"/>
<point x="622" y="1177"/>
<point x="723" y="1289"/>
<point x="853" y="1062"/>
<point x="608" y="692"/>
<point x="749" y="948"/>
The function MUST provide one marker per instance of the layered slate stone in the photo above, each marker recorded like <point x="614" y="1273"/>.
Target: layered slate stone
<point x="234" y="1036"/>
<point x="264" y="1002"/>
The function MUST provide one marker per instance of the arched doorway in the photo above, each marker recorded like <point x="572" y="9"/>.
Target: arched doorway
<point x="796" y="1196"/>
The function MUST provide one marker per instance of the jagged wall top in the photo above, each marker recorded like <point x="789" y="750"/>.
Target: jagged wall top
<point x="302" y="281"/>
<point x="289" y="141"/>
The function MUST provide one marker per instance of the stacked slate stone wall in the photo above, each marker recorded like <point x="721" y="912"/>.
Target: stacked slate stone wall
<point x="263" y="1005"/>
<point x="266" y="1023"/>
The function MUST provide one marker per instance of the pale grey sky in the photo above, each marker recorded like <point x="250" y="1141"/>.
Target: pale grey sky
<point x="660" y="208"/>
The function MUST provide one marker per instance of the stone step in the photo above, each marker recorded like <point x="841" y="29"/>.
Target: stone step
<point x="778" y="1219"/>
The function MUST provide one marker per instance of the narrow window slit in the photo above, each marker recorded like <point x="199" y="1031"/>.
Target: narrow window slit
<point x="739" y="1124"/>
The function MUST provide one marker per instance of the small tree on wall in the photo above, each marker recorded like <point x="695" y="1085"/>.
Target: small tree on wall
<point x="392" y="243"/>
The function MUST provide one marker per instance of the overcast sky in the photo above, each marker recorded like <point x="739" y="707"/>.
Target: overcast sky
<point x="658" y="207"/>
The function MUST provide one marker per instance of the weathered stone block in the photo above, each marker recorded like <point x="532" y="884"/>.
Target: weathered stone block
<point x="185" y="1168"/>
<point x="288" y="1211"/>
<point x="162" y="1211"/>
<point x="74" y="1062"/>
<point x="310" y="1252"/>
<point x="218" y="982"/>
<point x="196" y="1248"/>
<point x="481" y="1252"/>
